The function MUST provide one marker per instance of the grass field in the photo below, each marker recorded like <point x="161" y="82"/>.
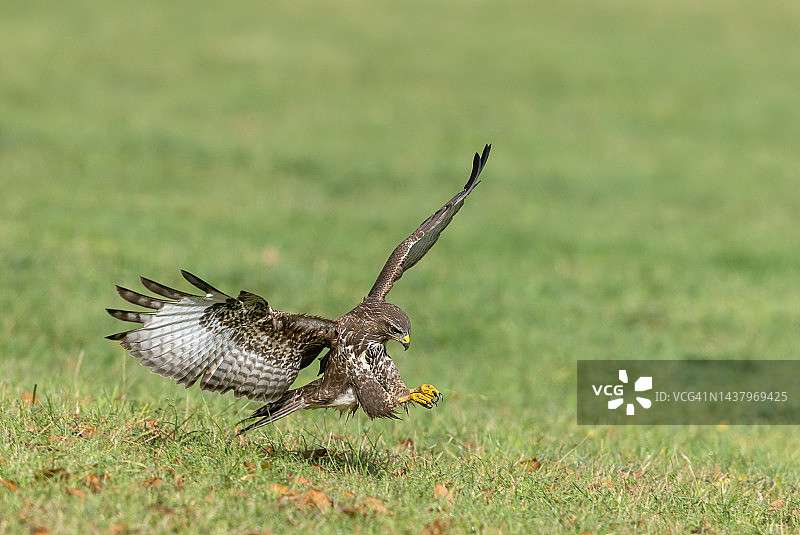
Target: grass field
<point x="640" y="203"/>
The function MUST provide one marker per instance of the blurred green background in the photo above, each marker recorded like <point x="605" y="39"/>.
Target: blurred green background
<point x="640" y="201"/>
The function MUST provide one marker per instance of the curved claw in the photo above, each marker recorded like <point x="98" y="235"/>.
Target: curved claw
<point x="425" y="395"/>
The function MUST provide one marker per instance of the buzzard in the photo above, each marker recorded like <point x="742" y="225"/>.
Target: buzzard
<point x="243" y="344"/>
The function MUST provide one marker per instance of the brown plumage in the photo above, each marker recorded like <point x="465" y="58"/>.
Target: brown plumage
<point x="244" y="345"/>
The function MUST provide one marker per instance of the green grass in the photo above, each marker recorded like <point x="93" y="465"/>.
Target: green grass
<point x="640" y="203"/>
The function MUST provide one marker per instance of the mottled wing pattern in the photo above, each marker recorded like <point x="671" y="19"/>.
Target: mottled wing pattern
<point x="413" y="248"/>
<point x="226" y="343"/>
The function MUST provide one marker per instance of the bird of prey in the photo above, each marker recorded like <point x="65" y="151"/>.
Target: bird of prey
<point x="242" y="344"/>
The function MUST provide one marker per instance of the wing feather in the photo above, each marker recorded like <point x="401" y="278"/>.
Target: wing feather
<point x="126" y="315"/>
<point x="203" y="285"/>
<point x="164" y="291"/>
<point x="413" y="248"/>
<point x="138" y="299"/>
<point x="226" y="343"/>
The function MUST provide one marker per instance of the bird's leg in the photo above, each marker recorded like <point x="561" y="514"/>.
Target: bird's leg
<point x="425" y="395"/>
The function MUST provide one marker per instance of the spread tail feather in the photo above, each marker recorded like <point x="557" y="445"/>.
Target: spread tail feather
<point x="290" y="402"/>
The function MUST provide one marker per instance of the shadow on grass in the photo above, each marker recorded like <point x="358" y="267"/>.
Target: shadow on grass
<point x="333" y="455"/>
<point x="122" y="427"/>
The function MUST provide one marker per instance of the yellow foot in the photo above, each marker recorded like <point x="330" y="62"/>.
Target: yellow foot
<point x="425" y="395"/>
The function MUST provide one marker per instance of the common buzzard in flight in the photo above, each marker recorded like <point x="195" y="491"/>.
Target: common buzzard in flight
<point x="243" y="344"/>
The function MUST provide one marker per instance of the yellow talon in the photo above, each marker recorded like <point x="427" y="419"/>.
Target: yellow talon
<point x="425" y="395"/>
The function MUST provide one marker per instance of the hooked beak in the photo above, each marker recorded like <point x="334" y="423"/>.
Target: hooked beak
<point x="406" y="341"/>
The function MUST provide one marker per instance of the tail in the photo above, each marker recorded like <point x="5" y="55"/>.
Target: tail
<point x="291" y="401"/>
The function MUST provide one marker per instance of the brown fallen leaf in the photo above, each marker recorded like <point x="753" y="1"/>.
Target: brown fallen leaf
<point x="286" y="499"/>
<point x="152" y="482"/>
<point x="29" y="399"/>
<point x="76" y="492"/>
<point x="249" y="466"/>
<point x="777" y="504"/>
<point x="303" y="481"/>
<point x="406" y="445"/>
<point x="531" y="465"/>
<point x="349" y="510"/>
<point x="376" y="506"/>
<point x="39" y="530"/>
<point x="10" y="485"/>
<point x="163" y="510"/>
<point x="51" y="473"/>
<point x="313" y="455"/>
<point x="705" y="528"/>
<point x="117" y="529"/>
<point x="436" y="527"/>
<point x="87" y="432"/>
<point x="319" y="499"/>
<point x="442" y="492"/>
<point x="280" y="489"/>
<point x="92" y="482"/>
<point x="370" y="505"/>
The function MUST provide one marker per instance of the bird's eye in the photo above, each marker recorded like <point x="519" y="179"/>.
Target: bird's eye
<point x="393" y="329"/>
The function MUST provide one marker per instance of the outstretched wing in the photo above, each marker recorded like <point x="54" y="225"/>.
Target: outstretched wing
<point x="421" y="240"/>
<point x="227" y="343"/>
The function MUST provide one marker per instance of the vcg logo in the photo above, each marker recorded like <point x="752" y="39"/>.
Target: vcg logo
<point x="617" y="391"/>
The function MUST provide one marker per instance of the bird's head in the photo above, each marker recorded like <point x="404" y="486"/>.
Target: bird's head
<point x="397" y="325"/>
<point x="382" y="321"/>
